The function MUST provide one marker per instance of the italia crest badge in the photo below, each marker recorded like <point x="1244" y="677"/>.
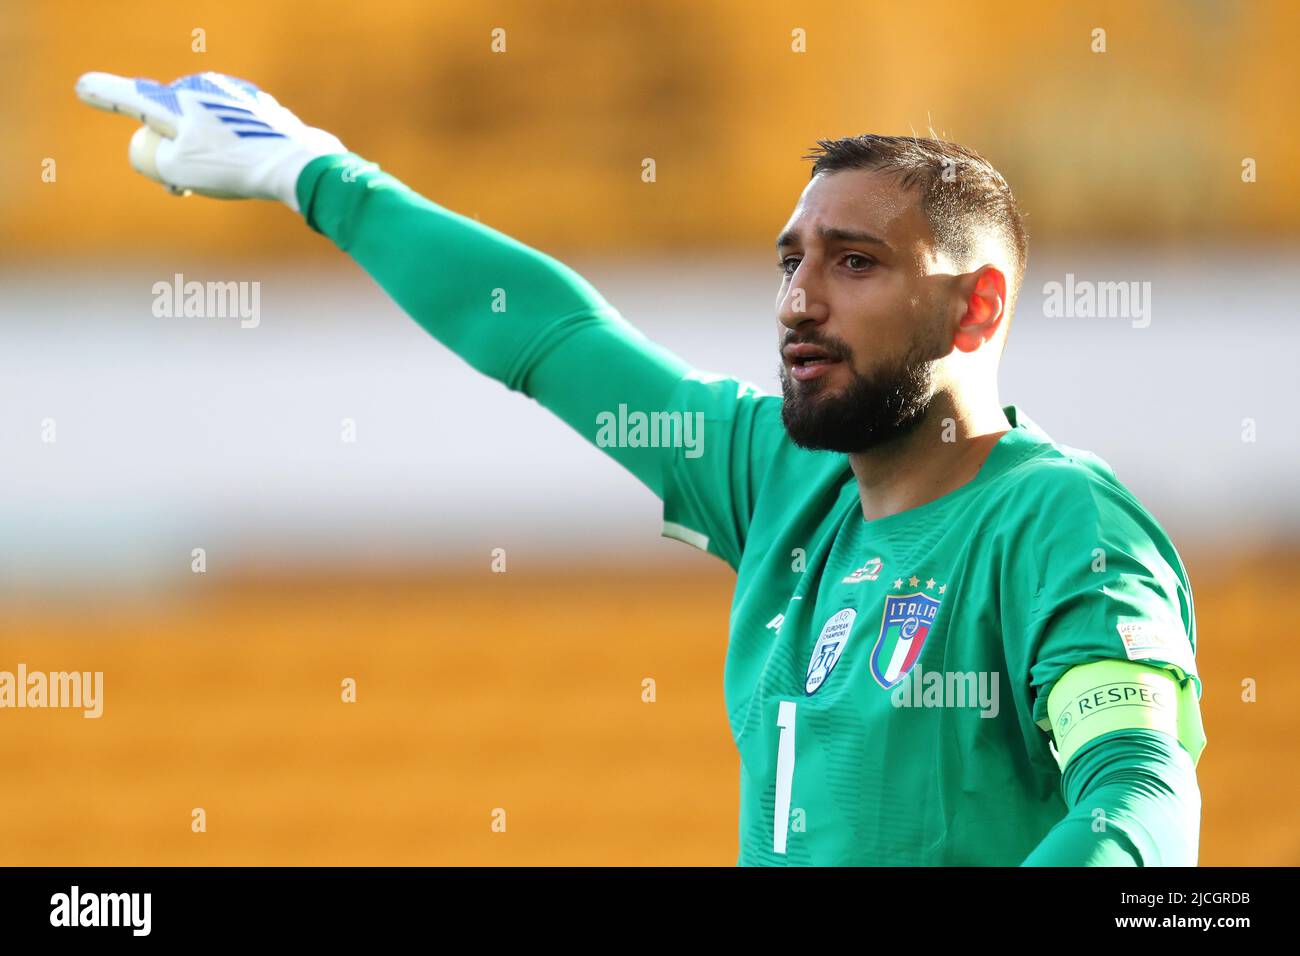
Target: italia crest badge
<point x="904" y="627"/>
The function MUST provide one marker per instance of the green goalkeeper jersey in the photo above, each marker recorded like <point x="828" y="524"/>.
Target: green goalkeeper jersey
<point x="886" y="681"/>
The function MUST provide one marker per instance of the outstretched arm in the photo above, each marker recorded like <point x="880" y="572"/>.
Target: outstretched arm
<point x="512" y="312"/>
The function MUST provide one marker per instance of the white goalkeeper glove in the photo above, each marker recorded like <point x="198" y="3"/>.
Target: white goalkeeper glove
<point x="212" y="134"/>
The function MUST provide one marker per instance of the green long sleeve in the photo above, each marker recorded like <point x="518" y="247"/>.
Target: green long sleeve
<point x="1133" y="801"/>
<point x="510" y="311"/>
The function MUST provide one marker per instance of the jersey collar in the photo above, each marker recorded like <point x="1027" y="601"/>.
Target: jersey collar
<point x="1022" y="441"/>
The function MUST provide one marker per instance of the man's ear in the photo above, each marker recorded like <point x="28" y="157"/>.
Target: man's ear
<point x="985" y="290"/>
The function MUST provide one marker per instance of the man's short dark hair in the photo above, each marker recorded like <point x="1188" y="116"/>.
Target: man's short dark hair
<point x="961" y="193"/>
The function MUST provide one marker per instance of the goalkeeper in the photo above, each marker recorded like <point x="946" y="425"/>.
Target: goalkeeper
<point x="953" y="641"/>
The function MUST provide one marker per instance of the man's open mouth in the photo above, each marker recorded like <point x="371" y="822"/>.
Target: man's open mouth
<point x="807" y="361"/>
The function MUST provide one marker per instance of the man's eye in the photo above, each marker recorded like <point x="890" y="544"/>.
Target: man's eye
<point x="858" y="262"/>
<point x="788" y="265"/>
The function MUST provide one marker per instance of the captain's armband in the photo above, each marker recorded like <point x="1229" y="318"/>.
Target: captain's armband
<point x="1105" y="696"/>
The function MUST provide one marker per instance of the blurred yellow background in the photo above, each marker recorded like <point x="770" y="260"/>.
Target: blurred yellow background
<point x="523" y="691"/>
<point x="520" y="692"/>
<point x="546" y="139"/>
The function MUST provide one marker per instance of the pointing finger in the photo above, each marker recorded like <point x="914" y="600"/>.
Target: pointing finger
<point x="149" y="102"/>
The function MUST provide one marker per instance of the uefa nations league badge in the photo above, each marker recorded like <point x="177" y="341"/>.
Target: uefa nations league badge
<point x="830" y="645"/>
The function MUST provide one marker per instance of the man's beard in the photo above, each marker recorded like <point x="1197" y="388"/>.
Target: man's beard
<point x="869" y="412"/>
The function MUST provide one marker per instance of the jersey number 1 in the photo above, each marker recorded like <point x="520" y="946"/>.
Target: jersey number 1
<point x="784" y="775"/>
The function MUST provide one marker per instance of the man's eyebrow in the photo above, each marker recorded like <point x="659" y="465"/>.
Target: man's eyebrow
<point x="791" y="237"/>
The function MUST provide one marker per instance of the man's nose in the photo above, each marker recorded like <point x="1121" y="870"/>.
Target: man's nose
<point x="802" y="300"/>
